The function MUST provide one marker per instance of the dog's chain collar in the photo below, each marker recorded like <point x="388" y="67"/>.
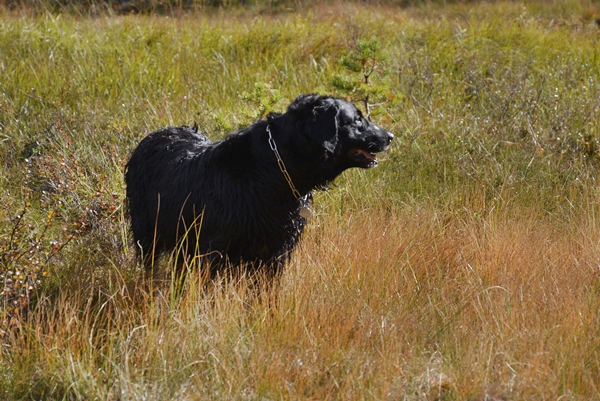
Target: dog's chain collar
<point x="305" y="202"/>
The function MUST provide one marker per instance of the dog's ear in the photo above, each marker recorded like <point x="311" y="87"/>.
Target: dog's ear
<point x="322" y="125"/>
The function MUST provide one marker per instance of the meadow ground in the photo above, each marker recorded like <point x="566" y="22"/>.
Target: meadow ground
<point x="465" y="267"/>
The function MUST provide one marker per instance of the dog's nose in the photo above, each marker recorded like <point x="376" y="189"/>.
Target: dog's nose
<point x="390" y="137"/>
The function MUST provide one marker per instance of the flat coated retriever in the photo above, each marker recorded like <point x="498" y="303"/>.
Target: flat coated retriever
<point x="244" y="198"/>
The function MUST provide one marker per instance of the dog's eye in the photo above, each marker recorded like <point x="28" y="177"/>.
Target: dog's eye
<point x="358" y="121"/>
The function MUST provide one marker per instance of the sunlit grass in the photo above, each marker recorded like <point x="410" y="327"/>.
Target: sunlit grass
<point x="465" y="266"/>
<point x="387" y="305"/>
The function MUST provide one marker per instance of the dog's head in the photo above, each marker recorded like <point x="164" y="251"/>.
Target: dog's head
<point x="341" y="130"/>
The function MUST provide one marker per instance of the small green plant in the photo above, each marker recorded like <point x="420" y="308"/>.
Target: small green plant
<point x="364" y="76"/>
<point x="261" y="101"/>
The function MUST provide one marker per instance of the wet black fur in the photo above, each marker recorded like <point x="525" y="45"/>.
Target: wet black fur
<point x="234" y="190"/>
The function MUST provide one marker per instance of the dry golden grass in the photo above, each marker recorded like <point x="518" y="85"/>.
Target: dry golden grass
<point x="410" y="304"/>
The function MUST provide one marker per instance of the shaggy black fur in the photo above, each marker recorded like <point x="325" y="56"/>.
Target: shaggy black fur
<point x="229" y="200"/>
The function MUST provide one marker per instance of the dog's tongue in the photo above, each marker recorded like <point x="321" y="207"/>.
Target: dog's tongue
<point x="362" y="155"/>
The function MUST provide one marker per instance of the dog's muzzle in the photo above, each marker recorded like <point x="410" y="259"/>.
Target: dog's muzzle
<point x="367" y="158"/>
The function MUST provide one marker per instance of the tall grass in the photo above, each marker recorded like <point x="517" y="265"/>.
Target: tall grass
<point x="404" y="305"/>
<point x="464" y="267"/>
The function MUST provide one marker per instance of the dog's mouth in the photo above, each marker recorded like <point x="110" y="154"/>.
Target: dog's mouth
<point x="363" y="158"/>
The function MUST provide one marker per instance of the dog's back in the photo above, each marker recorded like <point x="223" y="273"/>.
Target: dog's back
<point x="151" y="168"/>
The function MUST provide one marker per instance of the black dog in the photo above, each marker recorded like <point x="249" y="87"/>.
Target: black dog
<point x="244" y="198"/>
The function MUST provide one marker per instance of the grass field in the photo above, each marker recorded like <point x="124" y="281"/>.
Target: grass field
<point x="465" y="267"/>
